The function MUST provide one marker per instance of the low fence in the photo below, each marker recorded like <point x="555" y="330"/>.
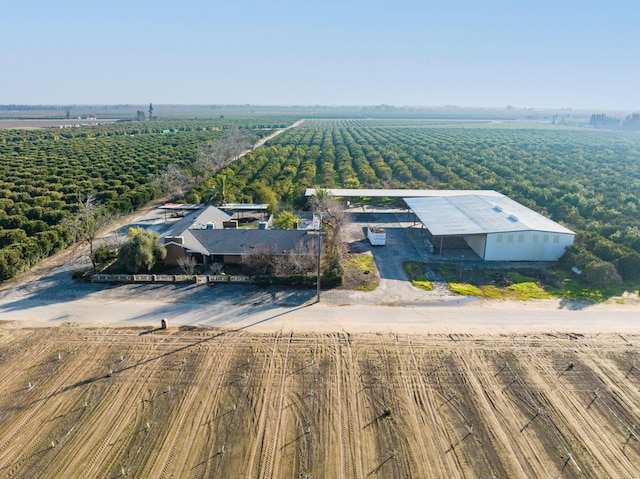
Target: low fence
<point x="169" y="278"/>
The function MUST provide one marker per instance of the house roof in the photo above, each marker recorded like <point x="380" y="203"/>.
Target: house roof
<point x="243" y="241"/>
<point x="196" y="221"/>
<point x="478" y="214"/>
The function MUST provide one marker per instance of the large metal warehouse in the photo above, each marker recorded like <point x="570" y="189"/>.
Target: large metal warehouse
<point x="494" y="226"/>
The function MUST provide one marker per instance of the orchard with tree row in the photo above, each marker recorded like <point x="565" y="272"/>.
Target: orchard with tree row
<point x="48" y="177"/>
<point x="586" y="179"/>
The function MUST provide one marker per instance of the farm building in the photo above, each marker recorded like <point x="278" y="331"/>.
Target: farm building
<point x="201" y="236"/>
<point x="494" y="226"/>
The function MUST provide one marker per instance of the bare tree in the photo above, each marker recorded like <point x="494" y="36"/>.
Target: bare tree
<point x="334" y="220"/>
<point x="86" y="224"/>
<point x="171" y="181"/>
<point x="237" y="142"/>
<point x="187" y="264"/>
<point x="217" y="155"/>
<point x="301" y="260"/>
<point x="215" y="268"/>
<point x="260" y="260"/>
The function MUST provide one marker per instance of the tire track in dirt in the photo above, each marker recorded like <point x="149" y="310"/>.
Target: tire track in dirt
<point x="216" y="409"/>
<point x="616" y="396"/>
<point x="500" y="422"/>
<point x="172" y="461"/>
<point x="422" y="408"/>
<point x="576" y="432"/>
<point x="351" y="440"/>
<point x="18" y="438"/>
<point x="519" y="415"/>
<point x="247" y="393"/>
<point x="254" y="460"/>
<point x="127" y="384"/>
<point x="550" y="437"/>
<point x="241" y="408"/>
<point x="448" y="389"/>
<point x="353" y="410"/>
<point x="268" y="459"/>
<point x="206" y="366"/>
<point x="119" y="423"/>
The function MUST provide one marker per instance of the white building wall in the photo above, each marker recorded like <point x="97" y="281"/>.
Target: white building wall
<point x="476" y="243"/>
<point x="526" y="246"/>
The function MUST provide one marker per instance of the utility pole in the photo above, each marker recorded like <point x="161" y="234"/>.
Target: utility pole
<point x="318" y="261"/>
<point x="319" y="233"/>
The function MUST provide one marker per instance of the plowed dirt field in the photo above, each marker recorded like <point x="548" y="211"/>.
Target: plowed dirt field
<point x="193" y="403"/>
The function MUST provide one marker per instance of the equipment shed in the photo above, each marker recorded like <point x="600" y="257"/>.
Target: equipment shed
<point x="496" y="228"/>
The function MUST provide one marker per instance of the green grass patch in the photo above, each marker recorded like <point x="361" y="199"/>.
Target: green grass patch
<point x="366" y="287"/>
<point x="426" y="285"/>
<point x="573" y="288"/>
<point x="360" y="273"/>
<point x="520" y="291"/>
<point x="363" y="262"/>
<point x="465" y="289"/>
<point x="528" y="290"/>
<point x="493" y="283"/>
<point x="517" y="277"/>
<point x="416" y="272"/>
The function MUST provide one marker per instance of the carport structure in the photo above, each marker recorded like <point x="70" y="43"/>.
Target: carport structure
<point x="391" y="193"/>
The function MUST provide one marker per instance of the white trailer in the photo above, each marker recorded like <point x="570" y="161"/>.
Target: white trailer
<point x="377" y="236"/>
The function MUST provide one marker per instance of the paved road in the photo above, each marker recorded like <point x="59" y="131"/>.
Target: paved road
<point x="270" y="310"/>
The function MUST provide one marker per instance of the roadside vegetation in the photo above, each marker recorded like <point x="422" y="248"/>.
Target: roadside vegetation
<point x="416" y="273"/>
<point x="523" y="284"/>
<point x="520" y="285"/>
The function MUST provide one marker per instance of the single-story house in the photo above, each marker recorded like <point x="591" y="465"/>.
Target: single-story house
<point x="201" y="236"/>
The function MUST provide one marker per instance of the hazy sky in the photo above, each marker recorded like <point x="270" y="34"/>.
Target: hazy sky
<point x="526" y="53"/>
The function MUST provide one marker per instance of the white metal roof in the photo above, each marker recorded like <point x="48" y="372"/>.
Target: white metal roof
<point x="479" y="214"/>
<point x="378" y="192"/>
<point x="244" y="206"/>
<point x="180" y="206"/>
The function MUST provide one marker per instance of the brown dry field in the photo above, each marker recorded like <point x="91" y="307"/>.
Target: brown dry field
<point x="191" y="403"/>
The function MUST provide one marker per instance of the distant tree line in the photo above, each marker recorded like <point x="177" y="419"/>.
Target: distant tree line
<point x="601" y="120"/>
